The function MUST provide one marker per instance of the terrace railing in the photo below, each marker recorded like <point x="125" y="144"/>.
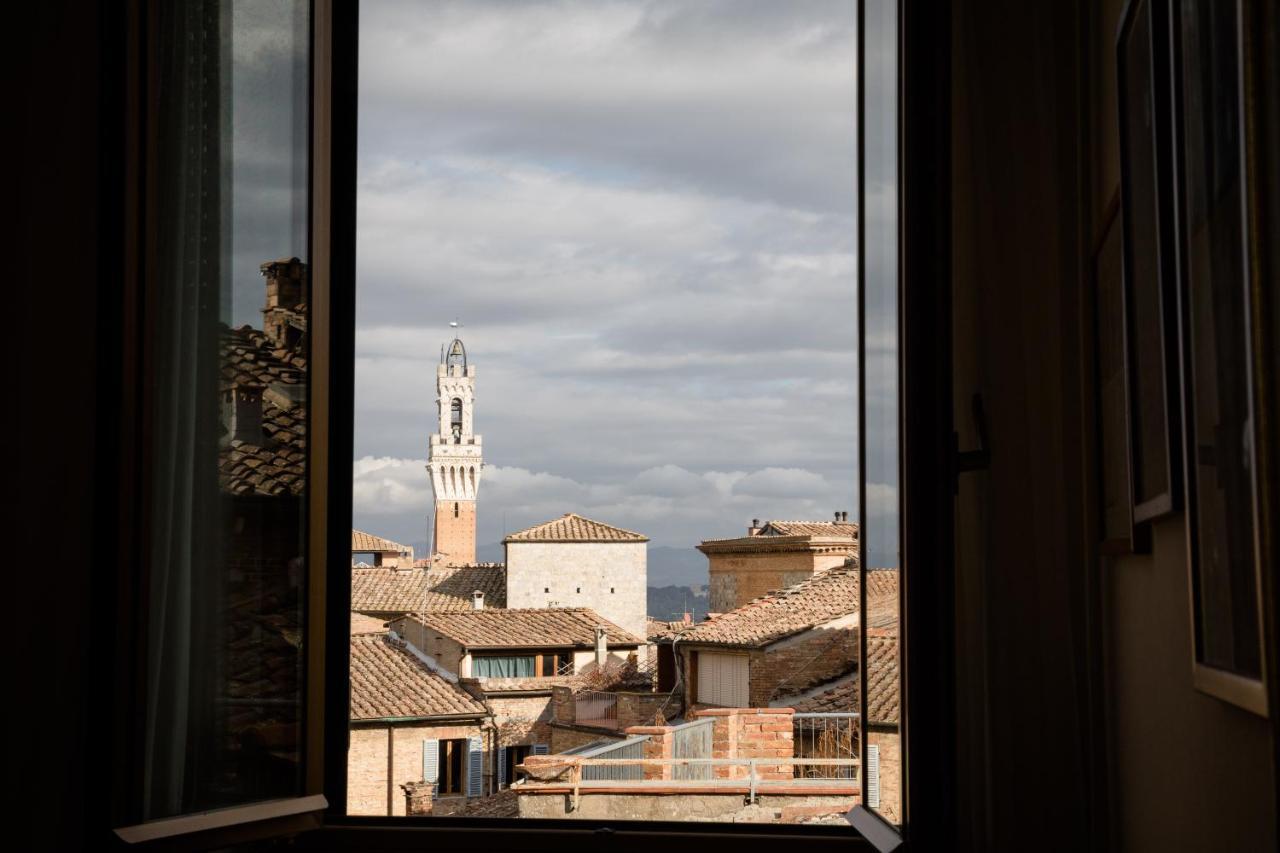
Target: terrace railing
<point x="692" y="740"/>
<point x="823" y="736"/>
<point x="594" y="708"/>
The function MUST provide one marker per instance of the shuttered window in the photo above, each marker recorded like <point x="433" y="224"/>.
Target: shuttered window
<point x="723" y="679"/>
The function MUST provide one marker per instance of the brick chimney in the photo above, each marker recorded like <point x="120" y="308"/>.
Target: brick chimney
<point x="288" y="286"/>
<point x="417" y="798"/>
<point x="242" y="414"/>
<point x="602" y="647"/>
<point x="754" y="529"/>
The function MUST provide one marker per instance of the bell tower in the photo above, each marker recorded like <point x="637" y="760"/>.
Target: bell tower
<point x="454" y="460"/>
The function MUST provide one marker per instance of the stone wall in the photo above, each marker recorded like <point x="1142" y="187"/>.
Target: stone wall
<point x="368" y="791"/>
<point x="609" y="577"/>
<point x="736" y="578"/>
<point x="521" y="719"/>
<point x="890" y="744"/>
<point x="724" y="807"/>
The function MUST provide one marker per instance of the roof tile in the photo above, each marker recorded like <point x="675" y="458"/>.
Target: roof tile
<point x="572" y="527"/>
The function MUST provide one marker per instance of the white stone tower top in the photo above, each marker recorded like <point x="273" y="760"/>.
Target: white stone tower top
<point x="455" y="453"/>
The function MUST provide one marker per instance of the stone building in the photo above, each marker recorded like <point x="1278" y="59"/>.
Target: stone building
<point x="454" y="460"/>
<point x="513" y="658"/>
<point x="410" y="723"/>
<point x="782" y="643"/>
<point x="774" y="556"/>
<point x="574" y="561"/>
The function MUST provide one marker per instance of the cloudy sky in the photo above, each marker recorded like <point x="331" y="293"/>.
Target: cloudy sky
<point x="643" y="213"/>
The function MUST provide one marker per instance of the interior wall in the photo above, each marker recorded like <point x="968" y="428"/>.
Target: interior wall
<point x="1188" y="771"/>
<point x="1077" y="725"/>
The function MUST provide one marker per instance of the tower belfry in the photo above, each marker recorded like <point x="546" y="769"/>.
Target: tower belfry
<point x="454" y="460"/>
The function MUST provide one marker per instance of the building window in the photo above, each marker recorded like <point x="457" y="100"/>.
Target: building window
<point x="503" y="666"/>
<point x="515" y="755"/>
<point x="722" y="679"/>
<point x="455" y="510"/>
<point x="452" y="770"/>
<point x="455" y="420"/>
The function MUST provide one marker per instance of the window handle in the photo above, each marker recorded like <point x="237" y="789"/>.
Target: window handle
<point x="965" y="461"/>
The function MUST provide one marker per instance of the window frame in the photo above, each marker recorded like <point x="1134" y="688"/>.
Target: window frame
<point x="926" y="456"/>
<point x="129" y="455"/>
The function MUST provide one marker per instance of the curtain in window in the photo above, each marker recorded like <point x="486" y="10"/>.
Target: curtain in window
<point x="503" y="667"/>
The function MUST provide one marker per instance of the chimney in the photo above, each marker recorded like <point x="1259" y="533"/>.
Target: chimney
<point x="754" y="528"/>
<point x="477" y="600"/>
<point x="844" y="516"/>
<point x="242" y="415"/>
<point x="687" y="618"/>
<point x="287" y="286"/>
<point x="417" y="798"/>
<point x="602" y="647"/>
<point x="837" y="516"/>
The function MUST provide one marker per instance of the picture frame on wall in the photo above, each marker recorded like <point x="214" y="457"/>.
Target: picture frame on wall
<point x="1221" y="357"/>
<point x="1150" y="319"/>
<point x="1117" y="533"/>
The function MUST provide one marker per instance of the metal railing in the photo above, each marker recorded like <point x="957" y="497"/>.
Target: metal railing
<point x="825" y="736"/>
<point x="757" y="773"/>
<point x="593" y="706"/>
<point x="692" y="740"/>
<point x="631" y="748"/>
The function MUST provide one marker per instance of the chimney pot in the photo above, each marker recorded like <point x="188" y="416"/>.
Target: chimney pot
<point x="242" y="414"/>
<point x="602" y="646"/>
<point x="477" y="600"/>
<point x="837" y="516"/>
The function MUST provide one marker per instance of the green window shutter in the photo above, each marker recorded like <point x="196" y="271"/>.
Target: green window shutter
<point x="475" y="766"/>
<point x="431" y="760"/>
<point x="502" y="767"/>
<point x="873" y="776"/>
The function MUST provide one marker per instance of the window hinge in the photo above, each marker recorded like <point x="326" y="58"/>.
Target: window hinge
<point x="964" y="461"/>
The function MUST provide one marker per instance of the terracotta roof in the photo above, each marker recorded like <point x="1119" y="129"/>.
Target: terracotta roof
<point x="387" y="680"/>
<point x="366" y="542"/>
<point x="816" y="600"/>
<point x="263" y="643"/>
<point x="526" y="627"/>
<point x="361" y="624"/>
<point x="809" y="528"/>
<point x="884" y="705"/>
<point x="574" y="528"/>
<point x="277" y="466"/>
<point x="387" y="590"/>
<point x="661" y="629"/>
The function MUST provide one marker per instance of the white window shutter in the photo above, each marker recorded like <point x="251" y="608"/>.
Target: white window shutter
<point x="475" y="766"/>
<point x="873" y="776"/>
<point x="540" y="749"/>
<point x="431" y="760"/>
<point x="502" y="767"/>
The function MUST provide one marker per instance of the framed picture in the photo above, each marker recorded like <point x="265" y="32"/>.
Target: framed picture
<point x="1149" y="261"/>
<point x="1117" y="532"/>
<point x="1220" y="354"/>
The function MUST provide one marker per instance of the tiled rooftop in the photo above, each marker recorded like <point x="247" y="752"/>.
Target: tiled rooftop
<point x="574" y="528"/>
<point x="884" y="705"/>
<point x="386" y="590"/>
<point x="362" y="624"/>
<point x="277" y="467"/>
<point x="814" y="601"/>
<point x="362" y="542"/>
<point x="387" y="680"/>
<point x="528" y="628"/>
<point x="809" y="528"/>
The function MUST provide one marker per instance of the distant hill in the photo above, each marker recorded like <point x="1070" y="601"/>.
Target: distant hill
<point x="676" y="566"/>
<point x="669" y="602"/>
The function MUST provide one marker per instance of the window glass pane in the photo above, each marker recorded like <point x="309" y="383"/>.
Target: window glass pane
<point x="606" y="318"/>
<point x="1218" y="379"/>
<point x="880" y="397"/>
<point x="228" y="378"/>
<point x="502" y="667"/>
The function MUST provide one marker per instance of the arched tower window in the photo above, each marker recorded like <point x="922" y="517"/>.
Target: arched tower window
<point x="455" y="510"/>
<point x="455" y="419"/>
